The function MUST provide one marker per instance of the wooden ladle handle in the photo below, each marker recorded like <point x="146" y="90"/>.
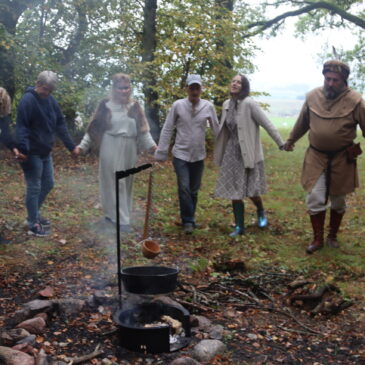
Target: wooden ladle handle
<point x="148" y="206"/>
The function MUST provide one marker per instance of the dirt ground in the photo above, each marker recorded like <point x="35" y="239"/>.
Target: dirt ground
<point x="253" y="335"/>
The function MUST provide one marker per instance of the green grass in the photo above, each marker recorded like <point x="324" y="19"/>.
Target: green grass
<point x="73" y="207"/>
<point x="283" y="242"/>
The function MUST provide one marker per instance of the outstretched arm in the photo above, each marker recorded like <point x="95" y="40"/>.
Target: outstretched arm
<point x="260" y="118"/>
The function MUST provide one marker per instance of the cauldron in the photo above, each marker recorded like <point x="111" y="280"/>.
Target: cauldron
<point x="149" y="279"/>
<point x="135" y="337"/>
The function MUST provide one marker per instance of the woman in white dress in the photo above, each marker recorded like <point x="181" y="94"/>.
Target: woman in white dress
<point x="118" y="131"/>
<point x="238" y="152"/>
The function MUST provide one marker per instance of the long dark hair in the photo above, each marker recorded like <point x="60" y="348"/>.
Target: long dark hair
<point x="245" y="87"/>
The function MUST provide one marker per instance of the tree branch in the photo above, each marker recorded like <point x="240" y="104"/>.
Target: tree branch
<point x="74" y="44"/>
<point x="334" y="9"/>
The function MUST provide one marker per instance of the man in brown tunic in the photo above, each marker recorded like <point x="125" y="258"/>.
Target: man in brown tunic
<point x="331" y="114"/>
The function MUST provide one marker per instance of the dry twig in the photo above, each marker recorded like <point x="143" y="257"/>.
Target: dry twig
<point x="79" y="360"/>
<point x="200" y="307"/>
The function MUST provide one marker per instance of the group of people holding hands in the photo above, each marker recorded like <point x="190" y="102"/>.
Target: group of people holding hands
<point x="119" y="132"/>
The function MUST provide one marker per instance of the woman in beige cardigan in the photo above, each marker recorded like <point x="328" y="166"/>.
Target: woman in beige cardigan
<point x="238" y="152"/>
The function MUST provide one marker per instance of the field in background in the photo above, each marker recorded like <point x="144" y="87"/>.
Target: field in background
<point x="283" y="122"/>
<point x="283" y="113"/>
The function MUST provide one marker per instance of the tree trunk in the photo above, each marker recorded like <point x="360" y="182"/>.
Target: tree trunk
<point x="149" y="80"/>
<point x="8" y="21"/>
<point x="223" y="75"/>
<point x="10" y="12"/>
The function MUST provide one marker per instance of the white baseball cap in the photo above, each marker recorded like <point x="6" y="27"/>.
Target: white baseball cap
<point x="194" y="79"/>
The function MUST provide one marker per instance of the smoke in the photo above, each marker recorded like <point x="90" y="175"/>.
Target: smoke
<point x="78" y="189"/>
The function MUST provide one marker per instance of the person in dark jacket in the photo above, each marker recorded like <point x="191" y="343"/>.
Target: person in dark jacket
<point x="5" y="136"/>
<point x="39" y="121"/>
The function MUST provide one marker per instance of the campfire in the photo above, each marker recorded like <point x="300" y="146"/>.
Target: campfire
<point x="153" y="327"/>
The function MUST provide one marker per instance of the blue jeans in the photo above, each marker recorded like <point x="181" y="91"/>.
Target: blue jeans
<point x="38" y="173"/>
<point x="189" y="177"/>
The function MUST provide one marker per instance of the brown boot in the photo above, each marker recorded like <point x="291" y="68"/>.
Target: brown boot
<point x="317" y="221"/>
<point x="335" y="222"/>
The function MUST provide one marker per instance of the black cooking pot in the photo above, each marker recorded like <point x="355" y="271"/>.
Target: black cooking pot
<point x="134" y="336"/>
<point x="149" y="279"/>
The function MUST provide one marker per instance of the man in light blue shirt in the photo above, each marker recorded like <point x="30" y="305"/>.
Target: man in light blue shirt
<point x="189" y="116"/>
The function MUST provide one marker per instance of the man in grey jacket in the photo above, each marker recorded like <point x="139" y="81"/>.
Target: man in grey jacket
<point x="189" y="116"/>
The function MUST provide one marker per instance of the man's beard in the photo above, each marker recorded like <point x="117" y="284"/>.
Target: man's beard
<point x="332" y="93"/>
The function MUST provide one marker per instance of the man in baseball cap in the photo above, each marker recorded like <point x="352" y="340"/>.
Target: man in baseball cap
<point x="189" y="117"/>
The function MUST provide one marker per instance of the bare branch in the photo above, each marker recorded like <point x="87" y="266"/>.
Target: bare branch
<point x="78" y="37"/>
<point x="79" y="360"/>
<point x="334" y="9"/>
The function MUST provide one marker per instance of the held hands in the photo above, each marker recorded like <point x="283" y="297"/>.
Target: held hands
<point x="160" y="156"/>
<point x="77" y="151"/>
<point x="152" y="150"/>
<point x="287" y="146"/>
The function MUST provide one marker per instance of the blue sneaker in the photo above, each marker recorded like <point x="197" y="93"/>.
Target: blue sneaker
<point x="238" y="231"/>
<point x="261" y="219"/>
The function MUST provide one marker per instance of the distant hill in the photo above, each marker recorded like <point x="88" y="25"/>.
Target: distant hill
<point x="290" y="92"/>
<point x="282" y="107"/>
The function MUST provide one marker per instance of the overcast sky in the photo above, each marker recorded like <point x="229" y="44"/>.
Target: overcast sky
<point x="286" y="60"/>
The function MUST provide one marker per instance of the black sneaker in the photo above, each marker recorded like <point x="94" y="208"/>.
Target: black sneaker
<point x="45" y="223"/>
<point x="188" y="228"/>
<point x="38" y="231"/>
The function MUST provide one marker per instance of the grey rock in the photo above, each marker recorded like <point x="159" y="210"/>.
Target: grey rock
<point x="24" y="347"/>
<point x="34" y="325"/>
<point x="205" y="350"/>
<point x="21" y="315"/>
<point x="200" y="321"/>
<point x="29" y="340"/>
<point x="69" y="307"/>
<point x="5" y="339"/>
<point x="42" y="315"/>
<point x="90" y="301"/>
<point x="15" y="357"/>
<point x="18" y="333"/>
<point x="10" y="337"/>
<point x="38" y="306"/>
<point x="252" y="336"/>
<point x="216" y="332"/>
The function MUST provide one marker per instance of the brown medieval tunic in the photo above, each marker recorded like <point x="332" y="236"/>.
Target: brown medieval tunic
<point x="332" y="126"/>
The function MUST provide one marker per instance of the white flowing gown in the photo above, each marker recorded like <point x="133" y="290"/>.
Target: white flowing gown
<point x="119" y="150"/>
